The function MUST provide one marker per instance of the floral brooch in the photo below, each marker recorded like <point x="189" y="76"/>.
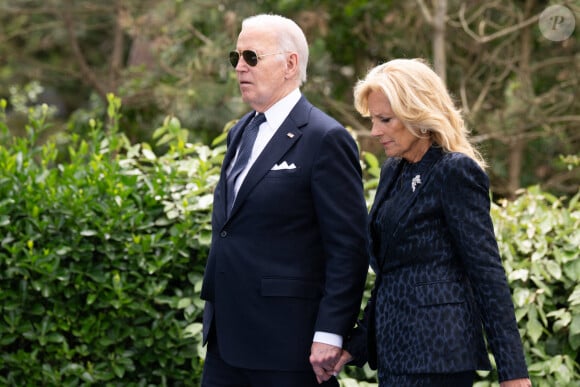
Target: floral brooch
<point x="416" y="180"/>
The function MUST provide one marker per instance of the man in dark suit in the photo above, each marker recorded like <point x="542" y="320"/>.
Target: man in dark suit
<point x="288" y="259"/>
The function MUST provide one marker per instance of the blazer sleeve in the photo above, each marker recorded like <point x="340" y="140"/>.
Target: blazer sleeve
<point x="357" y="342"/>
<point x="466" y="200"/>
<point x="340" y="206"/>
<point x="361" y="343"/>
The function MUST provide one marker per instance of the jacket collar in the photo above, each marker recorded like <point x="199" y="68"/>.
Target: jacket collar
<point x="285" y="137"/>
<point x="422" y="172"/>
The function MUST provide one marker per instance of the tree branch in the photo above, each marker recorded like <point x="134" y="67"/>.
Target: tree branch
<point x="562" y="119"/>
<point x="425" y="11"/>
<point x="490" y="80"/>
<point x="495" y="35"/>
<point x="87" y="73"/>
<point x="345" y="112"/>
<point x="118" y="47"/>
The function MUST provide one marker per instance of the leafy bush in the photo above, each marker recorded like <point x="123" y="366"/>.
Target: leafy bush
<point x="103" y="245"/>
<point x="101" y="258"/>
<point x="539" y="239"/>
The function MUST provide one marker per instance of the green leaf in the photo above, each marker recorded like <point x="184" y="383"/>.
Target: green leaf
<point x="192" y="330"/>
<point x="87" y="377"/>
<point x="119" y="369"/>
<point x="183" y="303"/>
<point x="521" y="274"/>
<point x="554" y="269"/>
<point x="575" y="325"/>
<point x="534" y="330"/>
<point x="521" y="296"/>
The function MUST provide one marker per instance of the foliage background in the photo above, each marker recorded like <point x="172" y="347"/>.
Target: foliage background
<point x="104" y="213"/>
<point x="169" y="57"/>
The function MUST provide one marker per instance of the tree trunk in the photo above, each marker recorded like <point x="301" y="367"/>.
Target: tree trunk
<point x="525" y="94"/>
<point x="439" y="20"/>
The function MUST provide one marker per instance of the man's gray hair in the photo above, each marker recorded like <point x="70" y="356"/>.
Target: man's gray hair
<point x="289" y="35"/>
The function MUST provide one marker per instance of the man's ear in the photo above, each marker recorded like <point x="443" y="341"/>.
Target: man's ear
<point x="292" y="68"/>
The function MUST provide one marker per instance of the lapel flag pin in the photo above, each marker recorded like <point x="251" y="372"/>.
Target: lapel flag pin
<point x="290" y="134"/>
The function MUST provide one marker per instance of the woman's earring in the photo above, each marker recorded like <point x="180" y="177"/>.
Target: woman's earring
<point x="423" y="131"/>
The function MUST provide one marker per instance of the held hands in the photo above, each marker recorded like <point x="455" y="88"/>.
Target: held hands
<point x="516" y="383"/>
<point x="327" y="360"/>
<point x="345" y="357"/>
<point x="323" y="358"/>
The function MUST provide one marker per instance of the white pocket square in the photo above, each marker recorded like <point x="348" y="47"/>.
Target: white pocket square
<point x="283" y="165"/>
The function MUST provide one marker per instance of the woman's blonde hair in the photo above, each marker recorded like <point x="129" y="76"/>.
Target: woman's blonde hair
<point x="419" y="98"/>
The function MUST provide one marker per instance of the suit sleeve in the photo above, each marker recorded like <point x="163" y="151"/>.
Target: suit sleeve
<point x="361" y="343"/>
<point x="341" y="211"/>
<point x="466" y="202"/>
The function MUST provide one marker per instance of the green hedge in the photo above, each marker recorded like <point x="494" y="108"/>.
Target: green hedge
<point x="103" y="245"/>
<point x="539" y="239"/>
<point x="102" y="249"/>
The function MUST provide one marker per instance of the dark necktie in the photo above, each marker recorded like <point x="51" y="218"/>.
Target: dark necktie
<point x="244" y="153"/>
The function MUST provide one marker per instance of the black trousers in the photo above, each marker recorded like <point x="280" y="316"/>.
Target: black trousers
<point x="218" y="373"/>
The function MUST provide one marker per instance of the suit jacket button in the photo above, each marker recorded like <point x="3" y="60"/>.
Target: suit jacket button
<point x="224" y="234"/>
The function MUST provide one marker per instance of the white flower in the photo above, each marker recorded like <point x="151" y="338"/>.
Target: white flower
<point x="416" y="180"/>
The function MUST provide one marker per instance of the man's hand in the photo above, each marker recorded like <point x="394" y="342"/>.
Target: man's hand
<point x="323" y="358"/>
<point x="516" y="383"/>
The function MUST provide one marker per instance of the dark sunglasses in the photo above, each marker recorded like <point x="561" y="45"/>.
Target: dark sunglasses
<point x="250" y="57"/>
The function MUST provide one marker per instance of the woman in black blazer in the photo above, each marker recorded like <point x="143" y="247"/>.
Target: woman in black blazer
<point x="440" y="282"/>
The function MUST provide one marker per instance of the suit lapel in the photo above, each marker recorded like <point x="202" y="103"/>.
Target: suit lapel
<point x="233" y="142"/>
<point x="236" y="135"/>
<point x="390" y="176"/>
<point x="387" y="179"/>
<point x="285" y="137"/>
<point x="424" y="172"/>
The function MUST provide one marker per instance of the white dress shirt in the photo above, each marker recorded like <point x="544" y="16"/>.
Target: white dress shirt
<point x="275" y="116"/>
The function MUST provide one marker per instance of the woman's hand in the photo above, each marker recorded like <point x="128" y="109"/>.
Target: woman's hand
<point x="345" y="357"/>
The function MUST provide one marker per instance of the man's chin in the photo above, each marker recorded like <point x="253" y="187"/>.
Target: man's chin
<point x="247" y="98"/>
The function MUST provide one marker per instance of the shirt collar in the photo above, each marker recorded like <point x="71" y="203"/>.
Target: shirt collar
<point x="281" y="109"/>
